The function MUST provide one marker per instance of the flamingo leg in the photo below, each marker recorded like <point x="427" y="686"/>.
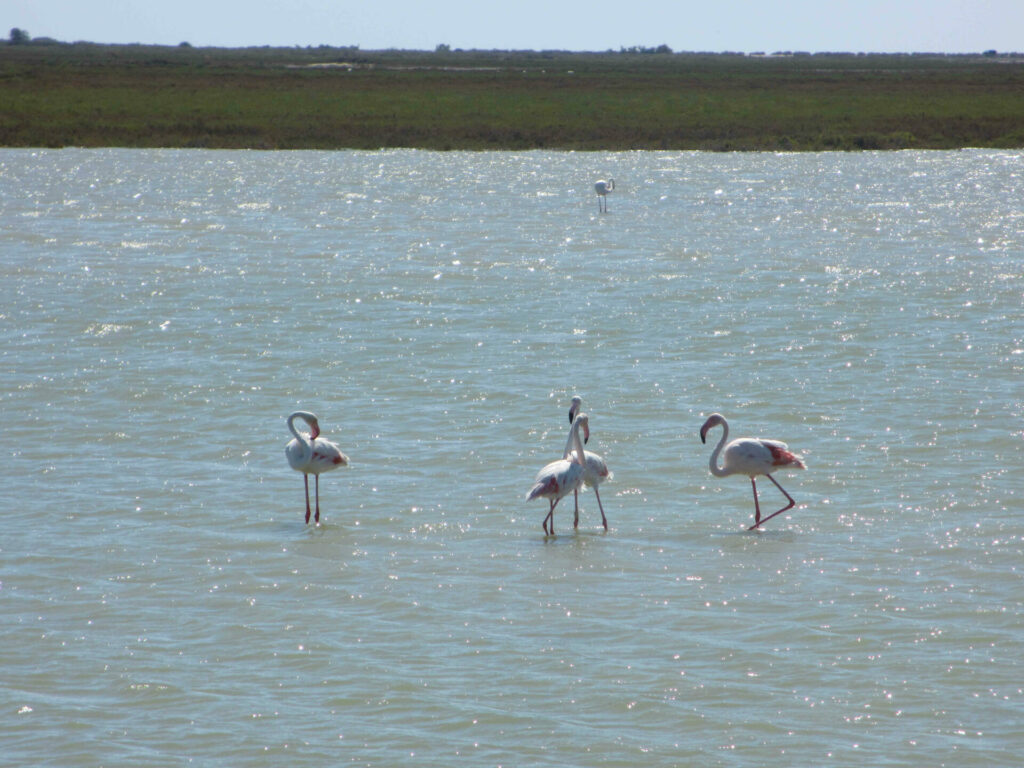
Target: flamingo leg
<point x="576" y="515"/>
<point x="550" y="518"/>
<point x="604" y="520"/>
<point x="318" y="499"/>
<point x="757" y="507"/>
<point x="305" y="480"/>
<point x="757" y="520"/>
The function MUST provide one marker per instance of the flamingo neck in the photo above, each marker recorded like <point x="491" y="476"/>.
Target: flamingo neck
<point x="574" y="435"/>
<point x="716" y="470"/>
<point x="304" y="441"/>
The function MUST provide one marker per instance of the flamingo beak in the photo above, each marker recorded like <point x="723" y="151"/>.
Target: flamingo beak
<point x="314" y="431"/>
<point x="586" y="433"/>
<point x="703" y="433"/>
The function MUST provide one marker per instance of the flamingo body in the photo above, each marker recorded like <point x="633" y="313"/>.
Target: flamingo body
<point x="750" y="456"/>
<point x="595" y="470"/>
<point x="312" y="454"/>
<point x="558" y="479"/>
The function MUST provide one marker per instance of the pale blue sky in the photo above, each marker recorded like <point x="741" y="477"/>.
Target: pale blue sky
<point x="951" y="26"/>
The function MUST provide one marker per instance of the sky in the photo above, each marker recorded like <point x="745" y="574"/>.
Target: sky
<point x="859" y="26"/>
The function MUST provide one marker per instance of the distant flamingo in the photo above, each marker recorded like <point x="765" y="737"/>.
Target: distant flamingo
<point x="602" y="188"/>
<point x="595" y="471"/>
<point x="312" y="455"/>
<point x="560" y="478"/>
<point x="750" y="456"/>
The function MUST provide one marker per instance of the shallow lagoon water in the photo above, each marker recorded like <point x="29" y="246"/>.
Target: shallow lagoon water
<point x="163" y="311"/>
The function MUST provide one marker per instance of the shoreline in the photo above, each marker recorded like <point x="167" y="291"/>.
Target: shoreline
<point x="89" y="95"/>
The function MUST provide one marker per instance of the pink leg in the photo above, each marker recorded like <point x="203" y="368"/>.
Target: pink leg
<point x="305" y="480"/>
<point x="551" y="518"/>
<point x="757" y="520"/>
<point x="576" y="515"/>
<point x="604" y="520"/>
<point x="318" y="498"/>
<point x="757" y="507"/>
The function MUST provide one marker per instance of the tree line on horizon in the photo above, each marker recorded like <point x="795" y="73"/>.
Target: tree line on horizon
<point x="19" y="36"/>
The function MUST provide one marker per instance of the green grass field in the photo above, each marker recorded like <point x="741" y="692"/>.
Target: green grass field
<point x="54" y="95"/>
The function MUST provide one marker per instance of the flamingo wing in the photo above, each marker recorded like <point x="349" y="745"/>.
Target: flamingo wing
<point x="596" y="469"/>
<point x="326" y="455"/>
<point x="543" y="487"/>
<point x="781" y="455"/>
<point x="556" y="480"/>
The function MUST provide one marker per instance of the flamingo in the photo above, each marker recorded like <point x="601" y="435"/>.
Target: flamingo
<point x="561" y="477"/>
<point x="595" y="470"/>
<point x="312" y="455"/>
<point x="750" y="456"/>
<point x="602" y="188"/>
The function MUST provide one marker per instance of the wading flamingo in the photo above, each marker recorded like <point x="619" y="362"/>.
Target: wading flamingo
<point x="562" y="477"/>
<point x="602" y="188"/>
<point x="750" y="456"/>
<point x="312" y="455"/>
<point x="595" y="470"/>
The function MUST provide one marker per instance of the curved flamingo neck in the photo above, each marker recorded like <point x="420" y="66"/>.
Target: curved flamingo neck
<point x="303" y="440"/>
<point x="713" y="461"/>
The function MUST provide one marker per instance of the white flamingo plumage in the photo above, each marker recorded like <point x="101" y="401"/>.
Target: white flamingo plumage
<point x="750" y="456"/>
<point x="595" y="470"/>
<point x="603" y="187"/>
<point x="312" y="454"/>
<point x="560" y="478"/>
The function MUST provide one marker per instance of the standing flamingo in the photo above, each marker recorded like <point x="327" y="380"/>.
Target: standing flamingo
<point x="312" y="455"/>
<point x="595" y="470"/>
<point x="561" y="477"/>
<point x="602" y="188"/>
<point x="750" y="456"/>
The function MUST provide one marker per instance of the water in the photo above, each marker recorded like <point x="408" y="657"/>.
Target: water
<point x="162" y="313"/>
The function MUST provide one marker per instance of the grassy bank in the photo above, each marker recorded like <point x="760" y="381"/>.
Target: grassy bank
<point x="146" y="96"/>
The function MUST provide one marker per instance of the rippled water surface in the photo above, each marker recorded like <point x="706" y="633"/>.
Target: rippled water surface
<point x="164" y="604"/>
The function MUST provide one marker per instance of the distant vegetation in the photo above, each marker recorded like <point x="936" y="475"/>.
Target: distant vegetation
<point x="90" y="95"/>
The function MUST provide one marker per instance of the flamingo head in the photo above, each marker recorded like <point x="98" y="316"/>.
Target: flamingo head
<point x="577" y="403"/>
<point x="314" y="429"/>
<point x="584" y="423"/>
<point x="714" y="420"/>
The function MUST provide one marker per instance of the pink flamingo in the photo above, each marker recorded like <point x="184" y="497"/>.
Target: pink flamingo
<point x="750" y="456"/>
<point x="602" y="188"/>
<point x="312" y="455"/>
<point x="559" y="478"/>
<point x="595" y="470"/>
